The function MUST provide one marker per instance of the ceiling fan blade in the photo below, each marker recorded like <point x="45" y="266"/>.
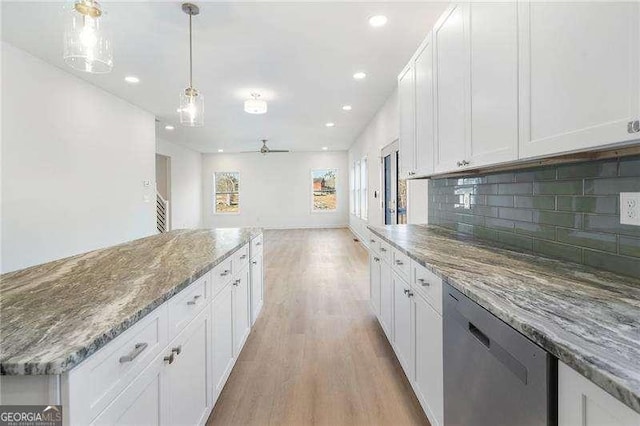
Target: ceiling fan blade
<point x="248" y="152"/>
<point x="278" y="150"/>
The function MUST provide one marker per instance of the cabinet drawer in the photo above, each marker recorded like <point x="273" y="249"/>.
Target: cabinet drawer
<point x="427" y="284"/>
<point x="256" y="245"/>
<point x="374" y="243"/>
<point x="385" y="251"/>
<point x="99" y="379"/>
<point x="221" y="275"/>
<point x="184" y="306"/>
<point x="240" y="259"/>
<point x="401" y="264"/>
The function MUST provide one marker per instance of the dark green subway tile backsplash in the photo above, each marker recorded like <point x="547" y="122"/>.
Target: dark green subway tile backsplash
<point x="569" y="212"/>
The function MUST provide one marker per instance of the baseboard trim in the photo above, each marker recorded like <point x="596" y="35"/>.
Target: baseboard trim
<point x="306" y="227"/>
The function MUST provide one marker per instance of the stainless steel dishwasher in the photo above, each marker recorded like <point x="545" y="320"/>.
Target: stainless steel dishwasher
<point x="493" y="375"/>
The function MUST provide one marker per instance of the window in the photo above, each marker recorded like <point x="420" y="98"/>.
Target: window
<point x="352" y="190"/>
<point x="363" y="189"/>
<point x="323" y="186"/>
<point x="356" y="174"/>
<point x="227" y="195"/>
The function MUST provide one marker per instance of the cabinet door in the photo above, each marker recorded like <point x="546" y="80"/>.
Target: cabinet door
<point x="402" y="324"/>
<point x="241" y="320"/>
<point x="407" y="105"/>
<point x="429" y="367"/>
<point x="583" y="403"/>
<point x="222" y="338"/>
<point x="257" y="287"/>
<point x="451" y="65"/>
<point x="188" y="376"/>
<point x="424" y="109"/>
<point x="141" y="402"/>
<point x="374" y="282"/>
<point x="386" y="299"/>
<point x="579" y="84"/>
<point x="493" y="34"/>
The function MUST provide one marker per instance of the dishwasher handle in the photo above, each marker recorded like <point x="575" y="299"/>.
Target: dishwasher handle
<point x="482" y="338"/>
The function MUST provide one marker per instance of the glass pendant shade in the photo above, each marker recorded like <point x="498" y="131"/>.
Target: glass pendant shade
<point x="86" y="45"/>
<point x="191" y="108"/>
<point x="255" y="106"/>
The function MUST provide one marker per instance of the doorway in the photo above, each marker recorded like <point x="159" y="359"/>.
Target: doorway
<point x="163" y="192"/>
<point x="394" y="189"/>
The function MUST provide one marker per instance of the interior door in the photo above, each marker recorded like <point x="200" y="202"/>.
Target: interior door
<point x="394" y="187"/>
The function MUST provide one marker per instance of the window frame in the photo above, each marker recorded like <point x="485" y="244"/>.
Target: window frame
<point x="364" y="188"/>
<point x="215" y="194"/>
<point x="337" y="175"/>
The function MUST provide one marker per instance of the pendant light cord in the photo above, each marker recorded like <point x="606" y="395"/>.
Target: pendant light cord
<point x="190" y="53"/>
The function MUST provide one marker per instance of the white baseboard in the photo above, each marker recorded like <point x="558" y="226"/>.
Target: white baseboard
<point x="305" y="227"/>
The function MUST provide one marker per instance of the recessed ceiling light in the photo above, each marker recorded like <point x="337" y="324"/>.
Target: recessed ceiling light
<point x="346" y="107"/>
<point x="324" y="148"/>
<point x="378" y="21"/>
<point x="221" y="150"/>
<point x="132" y="79"/>
<point x="330" y="124"/>
<point x="359" y="75"/>
<point x="169" y="127"/>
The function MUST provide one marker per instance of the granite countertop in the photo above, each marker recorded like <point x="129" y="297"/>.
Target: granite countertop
<point x="55" y="315"/>
<point x="588" y="318"/>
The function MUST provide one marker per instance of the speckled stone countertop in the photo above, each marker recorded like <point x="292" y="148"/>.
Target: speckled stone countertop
<point x="588" y="318"/>
<point x="55" y="315"/>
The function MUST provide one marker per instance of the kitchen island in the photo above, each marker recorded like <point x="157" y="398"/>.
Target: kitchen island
<point x="80" y="330"/>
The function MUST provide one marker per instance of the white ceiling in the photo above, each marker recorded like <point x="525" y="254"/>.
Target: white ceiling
<point x="300" y="55"/>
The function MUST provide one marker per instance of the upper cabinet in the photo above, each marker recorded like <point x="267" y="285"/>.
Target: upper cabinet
<point x="493" y="39"/>
<point x="407" y="105"/>
<point x="451" y="72"/>
<point x="424" y="108"/>
<point x="579" y="75"/>
<point x="496" y="83"/>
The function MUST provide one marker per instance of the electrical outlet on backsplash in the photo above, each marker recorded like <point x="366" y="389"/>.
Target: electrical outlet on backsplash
<point x="570" y="212"/>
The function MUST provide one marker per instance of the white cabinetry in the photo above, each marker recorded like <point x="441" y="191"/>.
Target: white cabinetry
<point x="386" y="299"/>
<point x="451" y="73"/>
<point x="579" y="84"/>
<point x="493" y="38"/>
<point x="424" y="123"/>
<point x="582" y="403"/>
<point x="429" y="384"/>
<point x="407" y="105"/>
<point x="374" y="282"/>
<point x="222" y="339"/>
<point x="241" y="320"/>
<point x="403" y="326"/>
<point x="257" y="285"/>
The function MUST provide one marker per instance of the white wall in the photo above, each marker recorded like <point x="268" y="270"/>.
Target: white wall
<point x="186" y="184"/>
<point x="275" y="189"/>
<point x="74" y="159"/>
<point x="382" y="130"/>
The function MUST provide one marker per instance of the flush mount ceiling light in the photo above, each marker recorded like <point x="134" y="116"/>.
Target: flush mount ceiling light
<point x="221" y="150"/>
<point x="324" y="148"/>
<point x="132" y="79"/>
<point x="169" y="127"/>
<point x="330" y="124"/>
<point x="191" y="100"/>
<point x="378" y="21"/>
<point x="86" y="45"/>
<point x="346" y="108"/>
<point x="255" y="105"/>
<point x="359" y="75"/>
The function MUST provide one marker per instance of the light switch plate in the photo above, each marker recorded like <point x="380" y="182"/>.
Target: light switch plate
<point x="630" y="208"/>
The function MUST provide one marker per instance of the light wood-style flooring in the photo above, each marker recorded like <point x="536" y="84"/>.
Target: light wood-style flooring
<point x="317" y="355"/>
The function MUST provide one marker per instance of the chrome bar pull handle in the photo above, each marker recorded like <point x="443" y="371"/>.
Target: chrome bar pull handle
<point x="137" y="350"/>
<point x="194" y="300"/>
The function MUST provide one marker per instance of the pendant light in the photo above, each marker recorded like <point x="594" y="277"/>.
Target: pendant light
<point x="255" y="105"/>
<point x="191" y="100"/>
<point x="86" y="46"/>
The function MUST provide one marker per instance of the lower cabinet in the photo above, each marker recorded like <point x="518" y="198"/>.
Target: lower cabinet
<point x="374" y="283"/>
<point x="429" y="366"/>
<point x="582" y="403"/>
<point x="241" y="320"/>
<point x="403" y="324"/>
<point x="257" y="286"/>
<point x="386" y="300"/>
<point x="173" y="388"/>
<point x="222" y="338"/>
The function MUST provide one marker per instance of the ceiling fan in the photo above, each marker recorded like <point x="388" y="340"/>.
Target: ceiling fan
<point x="266" y="150"/>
